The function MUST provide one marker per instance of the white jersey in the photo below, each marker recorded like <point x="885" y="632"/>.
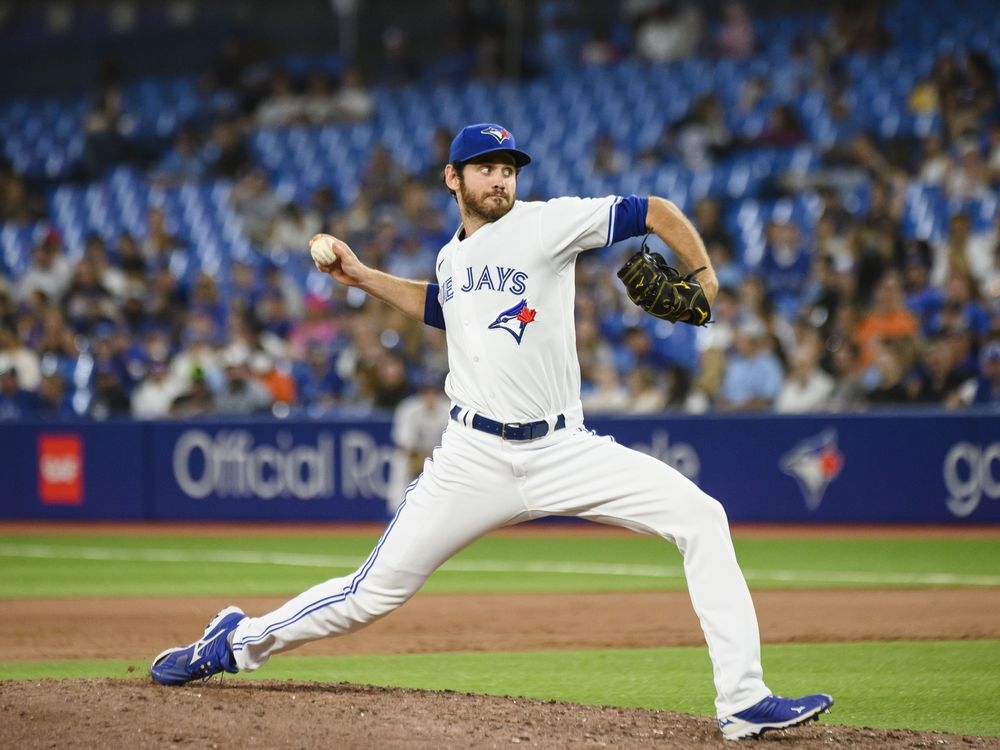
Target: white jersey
<point x="508" y="295"/>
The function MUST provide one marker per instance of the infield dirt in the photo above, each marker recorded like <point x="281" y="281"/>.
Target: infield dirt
<point x="229" y="714"/>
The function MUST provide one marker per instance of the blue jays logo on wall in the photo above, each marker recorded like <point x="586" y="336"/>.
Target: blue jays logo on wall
<point x="814" y="463"/>
<point x="501" y="134"/>
<point x="515" y="319"/>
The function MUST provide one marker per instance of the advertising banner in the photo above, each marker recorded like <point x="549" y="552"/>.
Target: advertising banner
<point x="894" y="467"/>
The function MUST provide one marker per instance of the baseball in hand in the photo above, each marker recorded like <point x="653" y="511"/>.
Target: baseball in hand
<point x="322" y="251"/>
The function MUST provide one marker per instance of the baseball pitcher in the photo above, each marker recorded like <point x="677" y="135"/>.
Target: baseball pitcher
<point x="516" y="447"/>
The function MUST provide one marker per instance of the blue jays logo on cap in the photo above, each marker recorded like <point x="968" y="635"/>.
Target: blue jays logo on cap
<point x="515" y="319"/>
<point x="501" y="134"/>
<point x="484" y="138"/>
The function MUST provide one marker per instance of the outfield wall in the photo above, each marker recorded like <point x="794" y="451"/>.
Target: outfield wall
<point x="872" y="468"/>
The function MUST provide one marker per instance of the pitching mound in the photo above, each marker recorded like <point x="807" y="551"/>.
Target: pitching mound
<point x="228" y="714"/>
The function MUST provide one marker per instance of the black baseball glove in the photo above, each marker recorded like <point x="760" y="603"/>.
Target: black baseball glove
<point x="661" y="291"/>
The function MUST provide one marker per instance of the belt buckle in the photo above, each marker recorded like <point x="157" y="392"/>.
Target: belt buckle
<point x="505" y="425"/>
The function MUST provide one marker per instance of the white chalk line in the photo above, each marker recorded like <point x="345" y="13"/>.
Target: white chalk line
<point x="290" y="559"/>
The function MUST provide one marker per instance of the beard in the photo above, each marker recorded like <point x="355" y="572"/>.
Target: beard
<point x="486" y="206"/>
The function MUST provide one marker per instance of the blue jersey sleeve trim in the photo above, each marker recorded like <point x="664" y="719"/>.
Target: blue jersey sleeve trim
<point x="628" y="218"/>
<point x="433" y="314"/>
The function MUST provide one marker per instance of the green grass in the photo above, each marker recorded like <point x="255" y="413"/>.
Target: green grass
<point x="52" y="565"/>
<point x="943" y="686"/>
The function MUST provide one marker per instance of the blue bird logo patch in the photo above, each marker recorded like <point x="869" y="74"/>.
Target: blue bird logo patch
<point x="515" y="319"/>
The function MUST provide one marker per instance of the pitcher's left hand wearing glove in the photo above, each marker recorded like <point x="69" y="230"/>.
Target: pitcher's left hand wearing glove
<point x="662" y="291"/>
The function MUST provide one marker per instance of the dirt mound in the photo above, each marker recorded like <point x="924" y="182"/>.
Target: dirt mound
<point x="227" y="714"/>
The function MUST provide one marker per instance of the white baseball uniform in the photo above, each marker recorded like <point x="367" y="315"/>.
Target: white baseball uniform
<point x="507" y="295"/>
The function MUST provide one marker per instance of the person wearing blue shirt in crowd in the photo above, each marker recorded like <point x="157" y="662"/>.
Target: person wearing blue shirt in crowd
<point x="15" y="402"/>
<point x="753" y="375"/>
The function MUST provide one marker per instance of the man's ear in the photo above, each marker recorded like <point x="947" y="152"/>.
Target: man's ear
<point x="451" y="179"/>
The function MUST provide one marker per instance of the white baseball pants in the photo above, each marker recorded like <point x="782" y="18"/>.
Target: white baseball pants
<point x="476" y="483"/>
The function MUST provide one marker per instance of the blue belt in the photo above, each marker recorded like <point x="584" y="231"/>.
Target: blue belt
<point x="510" y="430"/>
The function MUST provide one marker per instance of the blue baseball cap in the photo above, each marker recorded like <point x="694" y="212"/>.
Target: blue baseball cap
<point x="485" y="138"/>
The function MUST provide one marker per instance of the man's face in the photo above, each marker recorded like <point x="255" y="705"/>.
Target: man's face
<point x="488" y="189"/>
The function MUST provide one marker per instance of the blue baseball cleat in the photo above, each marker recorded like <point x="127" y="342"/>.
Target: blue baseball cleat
<point x="207" y="656"/>
<point x="774" y="712"/>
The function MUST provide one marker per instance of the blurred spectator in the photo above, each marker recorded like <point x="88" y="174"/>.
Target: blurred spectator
<point x="889" y="386"/>
<point x="110" y="276"/>
<point x="154" y="396"/>
<point x="256" y="205"/>
<point x="130" y="259"/>
<point x="987" y="385"/>
<point x="317" y="329"/>
<point x="226" y="154"/>
<point x="440" y="143"/>
<point x="702" y="136"/>
<point x="936" y="380"/>
<point x="959" y="309"/>
<point x="241" y="394"/>
<point x="104" y="127"/>
<point x="959" y="252"/>
<point x="353" y="101"/>
<point x="608" y="158"/>
<point x="785" y="265"/>
<point x="196" y="399"/>
<point x="599" y="48"/>
<point x="317" y="383"/>
<point x="49" y="271"/>
<point x="935" y="161"/>
<point x="18" y="203"/>
<point x="87" y="302"/>
<point x="967" y="176"/>
<point x="382" y="177"/>
<point x="291" y="231"/>
<point x="993" y="154"/>
<point x="15" y="355"/>
<point x="806" y="387"/>
<point x="753" y="374"/>
<point x="417" y="423"/>
<point x="275" y="282"/>
<point x="54" y="402"/>
<point x="161" y="247"/>
<point x="668" y="30"/>
<point x="735" y="36"/>
<point x="644" y="391"/>
<point x="876" y="241"/>
<point x="991" y="284"/>
<point x="887" y="319"/>
<point x="715" y="341"/>
<point x="607" y="392"/>
<point x="319" y="102"/>
<point x="275" y="375"/>
<point x="182" y="162"/>
<point x="389" y="382"/>
<point x="854" y="27"/>
<point x="109" y="397"/>
<point x="848" y="393"/>
<point x="783" y="129"/>
<point x="15" y="402"/>
<point x="282" y="106"/>
<point x="410" y="258"/>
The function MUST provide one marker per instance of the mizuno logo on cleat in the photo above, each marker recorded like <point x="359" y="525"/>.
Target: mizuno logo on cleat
<point x="798" y="709"/>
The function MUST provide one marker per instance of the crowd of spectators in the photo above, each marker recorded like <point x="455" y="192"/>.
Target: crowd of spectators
<point x="849" y="315"/>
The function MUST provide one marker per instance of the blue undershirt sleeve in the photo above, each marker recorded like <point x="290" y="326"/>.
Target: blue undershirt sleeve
<point x="433" y="314"/>
<point x="628" y="218"/>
